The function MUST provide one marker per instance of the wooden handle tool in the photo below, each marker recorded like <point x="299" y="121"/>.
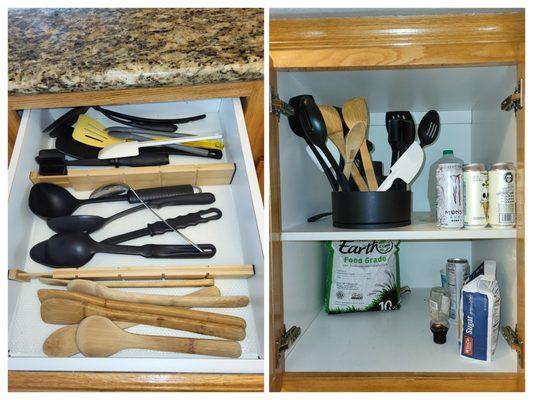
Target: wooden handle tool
<point x="94" y="289"/>
<point x="63" y="311"/>
<point x="99" y="337"/>
<point x="62" y="342"/>
<point x="170" y="311"/>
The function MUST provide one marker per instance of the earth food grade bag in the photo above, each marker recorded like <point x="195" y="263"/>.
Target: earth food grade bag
<point x="362" y="276"/>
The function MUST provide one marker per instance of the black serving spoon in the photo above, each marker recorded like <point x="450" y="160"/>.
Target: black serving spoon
<point x="75" y="249"/>
<point x="314" y="128"/>
<point x="91" y="223"/>
<point x="49" y="200"/>
<point x="295" y="122"/>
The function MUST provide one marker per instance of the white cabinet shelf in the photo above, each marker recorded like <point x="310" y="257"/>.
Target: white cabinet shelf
<point x="393" y="341"/>
<point x="420" y="229"/>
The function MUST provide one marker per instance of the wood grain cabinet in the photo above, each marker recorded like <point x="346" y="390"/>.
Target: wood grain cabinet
<point x="237" y="236"/>
<point x="463" y="66"/>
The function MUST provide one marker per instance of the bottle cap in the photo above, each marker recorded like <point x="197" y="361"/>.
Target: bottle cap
<point x="439" y="333"/>
<point x="446" y="152"/>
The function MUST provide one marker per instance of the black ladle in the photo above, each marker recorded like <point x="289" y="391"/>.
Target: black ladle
<point x="48" y="200"/>
<point x="315" y="129"/>
<point x="91" y="223"/>
<point x="75" y="249"/>
<point x="295" y="122"/>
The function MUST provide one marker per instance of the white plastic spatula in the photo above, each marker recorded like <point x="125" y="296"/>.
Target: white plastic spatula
<point x="131" y="149"/>
<point x="406" y="168"/>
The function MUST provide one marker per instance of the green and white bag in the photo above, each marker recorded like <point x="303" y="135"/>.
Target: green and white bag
<point x="362" y="276"/>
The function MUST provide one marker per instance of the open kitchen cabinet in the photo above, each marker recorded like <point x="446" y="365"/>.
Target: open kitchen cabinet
<point x="389" y="350"/>
<point x="237" y="236"/>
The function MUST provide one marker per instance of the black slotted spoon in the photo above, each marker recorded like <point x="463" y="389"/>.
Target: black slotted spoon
<point x="429" y="128"/>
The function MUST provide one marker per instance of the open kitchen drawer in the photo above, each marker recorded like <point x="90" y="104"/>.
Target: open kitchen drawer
<point x="368" y="351"/>
<point x="237" y="237"/>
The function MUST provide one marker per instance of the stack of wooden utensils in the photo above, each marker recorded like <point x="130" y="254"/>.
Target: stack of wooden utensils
<point x="97" y="315"/>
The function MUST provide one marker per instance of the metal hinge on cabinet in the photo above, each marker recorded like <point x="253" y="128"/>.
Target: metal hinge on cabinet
<point x="515" y="100"/>
<point x="515" y="341"/>
<point x="278" y="106"/>
<point x="286" y="339"/>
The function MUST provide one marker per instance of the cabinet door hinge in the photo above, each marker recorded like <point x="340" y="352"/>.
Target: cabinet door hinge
<point x="286" y="339"/>
<point x="515" y="341"/>
<point x="278" y="106"/>
<point x="515" y="100"/>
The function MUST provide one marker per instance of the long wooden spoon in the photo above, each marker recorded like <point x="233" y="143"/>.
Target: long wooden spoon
<point x="63" y="311"/>
<point x="62" y="342"/>
<point x="94" y="289"/>
<point x="170" y="311"/>
<point x="100" y="337"/>
<point x="355" y="110"/>
<point x="354" y="139"/>
<point x="336" y="135"/>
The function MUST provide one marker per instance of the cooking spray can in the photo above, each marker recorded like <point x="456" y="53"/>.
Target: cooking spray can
<point x="457" y="272"/>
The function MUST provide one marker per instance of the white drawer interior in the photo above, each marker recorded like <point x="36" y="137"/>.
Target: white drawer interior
<point x="237" y="237"/>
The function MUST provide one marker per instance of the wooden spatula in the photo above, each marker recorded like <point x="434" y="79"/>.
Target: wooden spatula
<point x="336" y="135"/>
<point x="100" y="337"/>
<point x="355" y="110"/>
<point x="62" y="311"/>
<point x="354" y="139"/>
<point x="62" y="342"/>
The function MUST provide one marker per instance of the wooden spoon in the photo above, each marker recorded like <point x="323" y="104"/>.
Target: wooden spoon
<point x="66" y="312"/>
<point x="100" y="337"/>
<point x="354" y="139"/>
<point x="94" y="289"/>
<point x="62" y="342"/>
<point x="355" y="110"/>
<point x="336" y="135"/>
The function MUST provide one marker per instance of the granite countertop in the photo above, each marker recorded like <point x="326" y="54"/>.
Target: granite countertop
<point x="72" y="50"/>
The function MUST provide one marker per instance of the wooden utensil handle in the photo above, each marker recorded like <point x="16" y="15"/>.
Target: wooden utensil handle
<point x="358" y="178"/>
<point x="210" y="347"/>
<point x="369" y="168"/>
<point x="170" y="311"/>
<point x="138" y="284"/>
<point x="204" y="328"/>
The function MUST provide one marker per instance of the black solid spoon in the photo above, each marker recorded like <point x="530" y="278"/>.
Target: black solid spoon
<point x="48" y="200"/>
<point x="295" y="122"/>
<point x="91" y="223"/>
<point x="315" y="129"/>
<point x="75" y="249"/>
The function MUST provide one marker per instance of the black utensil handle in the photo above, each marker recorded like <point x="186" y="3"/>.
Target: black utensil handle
<point x="159" y="193"/>
<point x="180" y="251"/>
<point x="343" y="182"/>
<point x="66" y="119"/>
<point x="163" y="127"/>
<point x="142" y="160"/>
<point x="141" y="119"/>
<point x="184" y="221"/>
<point x="332" y="181"/>
<point x="316" y="217"/>
<point x="185" y="199"/>
<point x="158" y="228"/>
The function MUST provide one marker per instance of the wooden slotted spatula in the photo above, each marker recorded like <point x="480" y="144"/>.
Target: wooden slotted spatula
<point x="336" y="135"/>
<point x="100" y="337"/>
<point x="355" y="110"/>
<point x="62" y="342"/>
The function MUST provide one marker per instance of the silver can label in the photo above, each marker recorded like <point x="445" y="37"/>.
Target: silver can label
<point x="456" y="275"/>
<point x="476" y="198"/>
<point x="450" y="213"/>
<point x="502" y="198"/>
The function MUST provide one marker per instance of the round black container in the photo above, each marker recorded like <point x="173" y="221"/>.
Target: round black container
<point x="370" y="210"/>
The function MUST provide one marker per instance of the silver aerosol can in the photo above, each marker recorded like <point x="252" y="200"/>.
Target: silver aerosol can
<point x="476" y="195"/>
<point x="502" y="195"/>
<point x="457" y="272"/>
<point x="450" y="213"/>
